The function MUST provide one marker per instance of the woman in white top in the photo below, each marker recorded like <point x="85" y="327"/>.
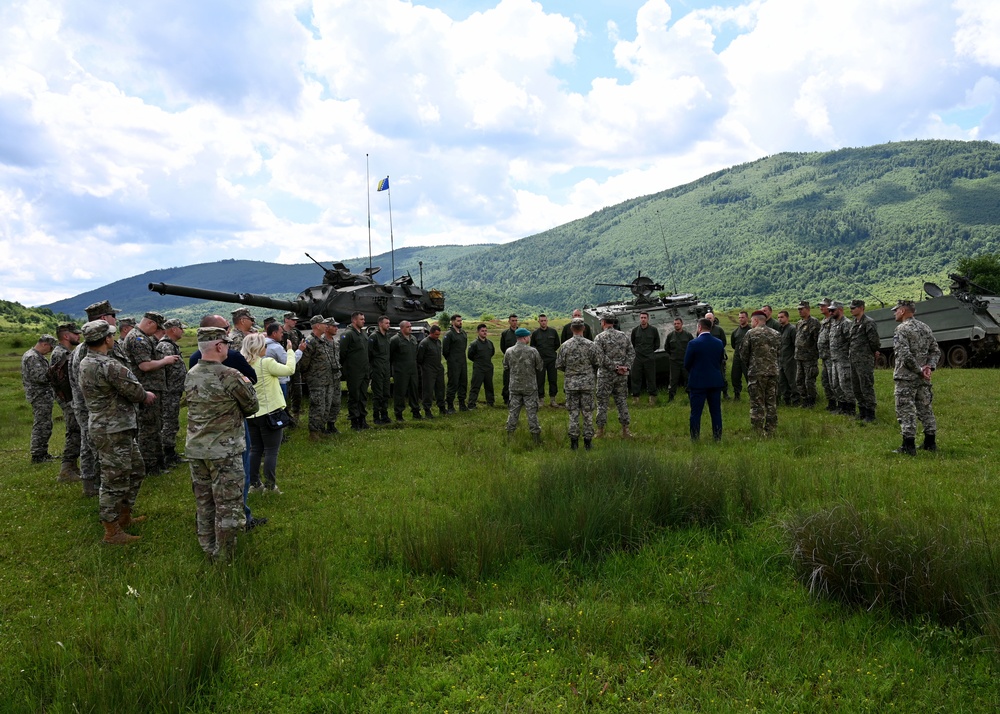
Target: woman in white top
<point x="265" y="441"/>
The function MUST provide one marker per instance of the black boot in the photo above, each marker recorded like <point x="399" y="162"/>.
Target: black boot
<point x="537" y="438"/>
<point x="909" y="446"/>
<point x="586" y="444"/>
<point x="417" y="415"/>
<point x="574" y="442"/>
<point x="831" y="405"/>
<point x="462" y="407"/>
<point x="430" y="414"/>
<point x="356" y="424"/>
<point x="399" y="416"/>
<point x="869" y="416"/>
<point x="847" y="408"/>
<point x="930" y="442"/>
<point x="450" y="409"/>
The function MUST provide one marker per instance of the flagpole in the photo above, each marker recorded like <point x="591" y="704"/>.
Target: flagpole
<point x="368" y="196"/>
<point x="392" y="242"/>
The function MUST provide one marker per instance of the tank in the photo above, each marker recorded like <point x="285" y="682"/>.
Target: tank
<point x="965" y="322"/>
<point x="663" y="310"/>
<point x="341" y="294"/>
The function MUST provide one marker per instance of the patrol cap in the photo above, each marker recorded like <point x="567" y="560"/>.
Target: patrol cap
<point x="48" y="339"/>
<point x="243" y="312"/>
<point x="97" y="330"/>
<point x="156" y="317"/>
<point x="908" y="304"/>
<point x="804" y="305"/>
<point x="67" y="327"/>
<point x="758" y="313"/>
<point x="857" y="302"/>
<point x="316" y="319"/>
<point x="100" y="308"/>
<point x="173" y="322"/>
<point x="290" y="316"/>
<point x="330" y="321"/>
<point x="269" y="319"/>
<point x="130" y="321"/>
<point x="836" y="305"/>
<point x="576" y="321"/>
<point x="522" y="332"/>
<point x="211" y="334"/>
<point x="825" y="302"/>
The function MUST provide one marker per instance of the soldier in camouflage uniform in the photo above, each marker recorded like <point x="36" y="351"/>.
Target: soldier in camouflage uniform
<point x="739" y="370"/>
<point x="378" y="357"/>
<point x="38" y="392"/>
<point x="453" y="348"/>
<point x="295" y="338"/>
<point x="149" y="367"/>
<point x="243" y="323"/>
<point x="616" y="355"/>
<point x="864" y="349"/>
<point x="334" y="396"/>
<point x="313" y="361"/>
<point x="403" y="360"/>
<point x="786" y="360"/>
<point x="840" y="359"/>
<point x="759" y="352"/>
<point x="112" y="392"/>
<point x="219" y="398"/>
<point x="806" y="355"/>
<point x="917" y="355"/>
<point x="823" y="350"/>
<point x="68" y="335"/>
<point x="507" y="340"/>
<point x="524" y="364"/>
<point x="579" y="359"/>
<point x="357" y="370"/>
<point x="431" y="371"/>
<point x="480" y="353"/>
<point x="645" y="340"/>
<point x="175" y="373"/>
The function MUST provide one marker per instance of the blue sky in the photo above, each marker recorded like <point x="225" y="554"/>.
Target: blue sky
<point x="151" y="135"/>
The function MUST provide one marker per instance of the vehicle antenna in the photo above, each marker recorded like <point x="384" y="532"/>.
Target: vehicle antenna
<point x="673" y="277"/>
<point x="368" y="195"/>
<point x="869" y="293"/>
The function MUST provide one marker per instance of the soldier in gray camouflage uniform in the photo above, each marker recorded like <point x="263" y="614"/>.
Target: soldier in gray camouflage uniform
<point x="579" y="359"/>
<point x="219" y="398"/>
<point x="334" y="395"/>
<point x="806" y="355"/>
<point x="840" y="359"/>
<point x="786" y="360"/>
<point x="175" y="373"/>
<point x="823" y="350"/>
<point x="112" y="392"/>
<point x="616" y="356"/>
<point x="864" y="349"/>
<point x="917" y="355"/>
<point x="524" y="364"/>
<point x="38" y="392"/>
<point x="313" y="361"/>
<point x="759" y="352"/>
<point x="68" y="335"/>
<point x="295" y="338"/>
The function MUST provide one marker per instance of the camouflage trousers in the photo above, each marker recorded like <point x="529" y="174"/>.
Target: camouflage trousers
<point x="295" y="393"/>
<point x="122" y="470"/>
<point x="171" y="413"/>
<point x="150" y="419"/>
<point x="529" y="401"/>
<point x="333" y="400"/>
<point x="806" y="371"/>
<point x="863" y="384"/>
<point x="787" y="390"/>
<point x="827" y="381"/>
<point x="90" y="464"/>
<point x="913" y="402"/>
<point x="840" y="380"/>
<point x="71" y="451"/>
<point x="218" y="493"/>
<point x="41" y="424"/>
<point x="763" y="391"/>
<point x="320" y="396"/>
<point x="580" y="403"/>
<point x="404" y="391"/>
<point x="612" y="386"/>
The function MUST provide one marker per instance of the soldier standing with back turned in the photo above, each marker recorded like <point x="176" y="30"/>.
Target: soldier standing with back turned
<point x="759" y="351"/>
<point x="616" y="356"/>
<point x="579" y="359"/>
<point x="524" y="364"/>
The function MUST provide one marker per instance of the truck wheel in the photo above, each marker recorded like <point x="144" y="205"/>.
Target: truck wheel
<point x="958" y="356"/>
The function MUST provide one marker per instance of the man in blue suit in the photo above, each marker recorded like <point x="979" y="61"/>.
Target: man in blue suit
<point x="703" y="363"/>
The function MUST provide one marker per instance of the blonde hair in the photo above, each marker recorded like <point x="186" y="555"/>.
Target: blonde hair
<point x="253" y="346"/>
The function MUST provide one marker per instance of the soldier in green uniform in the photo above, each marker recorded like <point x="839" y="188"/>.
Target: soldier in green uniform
<point x="546" y="341"/>
<point x="507" y="340"/>
<point x="646" y="341"/>
<point x="739" y="371"/>
<point x="173" y="390"/>
<point x="68" y="335"/>
<point x="431" y="371"/>
<point x="356" y="369"/>
<point x="313" y="362"/>
<point x="863" y="350"/>
<point x="771" y="322"/>
<point x="219" y="398"/>
<point x="616" y="357"/>
<point x="567" y="331"/>
<point x="524" y="364"/>
<point x="917" y="355"/>
<point x="38" y="392"/>
<point x="295" y="337"/>
<point x="806" y="355"/>
<point x="243" y="323"/>
<point x="453" y="348"/>
<point x="403" y="360"/>
<point x="787" y="390"/>
<point x="378" y="355"/>
<point x="823" y="350"/>
<point x="334" y="396"/>
<point x="675" y="346"/>
<point x="480" y="353"/>
<point x="579" y="359"/>
<point x="112" y="393"/>
<point x="759" y="352"/>
<point x="718" y="333"/>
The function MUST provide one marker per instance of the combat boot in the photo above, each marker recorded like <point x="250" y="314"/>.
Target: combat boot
<point x="552" y="402"/>
<point x="536" y="437"/>
<point x="114" y="534"/>
<point x="847" y="408"/>
<point x="831" y="405"/>
<point x="399" y="416"/>
<point x="909" y="446"/>
<point x="600" y="432"/>
<point x="586" y="444"/>
<point x="355" y="426"/>
<point x="626" y="434"/>
<point x="125" y="517"/>
<point x="450" y="408"/>
<point x="91" y="488"/>
<point x="930" y="442"/>
<point x="417" y="415"/>
<point x="462" y="407"/>
<point x="315" y="435"/>
<point x="574" y="442"/>
<point x="869" y="416"/>
<point x="68" y="473"/>
<point x="430" y="414"/>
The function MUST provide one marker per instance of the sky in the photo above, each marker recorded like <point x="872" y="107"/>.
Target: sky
<point x="151" y="135"/>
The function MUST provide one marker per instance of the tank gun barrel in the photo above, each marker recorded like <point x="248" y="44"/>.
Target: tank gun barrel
<point x="297" y="306"/>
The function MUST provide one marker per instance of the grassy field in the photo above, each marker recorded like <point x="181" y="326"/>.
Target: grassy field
<point x="437" y="567"/>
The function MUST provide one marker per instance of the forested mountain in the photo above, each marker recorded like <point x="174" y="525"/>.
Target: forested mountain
<point x="870" y="221"/>
<point x="33" y="321"/>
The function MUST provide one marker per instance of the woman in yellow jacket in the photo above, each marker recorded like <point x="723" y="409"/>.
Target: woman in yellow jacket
<point x="264" y="440"/>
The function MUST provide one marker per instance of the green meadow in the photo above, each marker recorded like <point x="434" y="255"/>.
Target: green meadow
<point x="435" y="566"/>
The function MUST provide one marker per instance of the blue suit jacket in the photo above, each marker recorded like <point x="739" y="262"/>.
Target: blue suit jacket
<point x="703" y="362"/>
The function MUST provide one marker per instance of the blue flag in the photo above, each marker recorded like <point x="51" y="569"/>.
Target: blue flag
<point x="383" y="185"/>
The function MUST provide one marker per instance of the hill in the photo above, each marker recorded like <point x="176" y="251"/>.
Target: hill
<point x="33" y="321"/>
<point x="872" y="221"/>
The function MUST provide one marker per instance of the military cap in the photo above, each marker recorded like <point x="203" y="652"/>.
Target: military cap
<point x="758" y="313"/>
<point x="804" y="305"/>
<point x="130" y="321"/>
<point x="857" y="302"/>
<point x="836" y="305"/>
<point x="173" y="322"/>
<point x="825" y="302"/>
<point x="316" y="319"/>
<point x="211" y="334"/>
<point x="97" y="330"/>
<point x="522" y="332"/>
<point x="48" y="339"/>
<point x="290" y="316"/>
<point x="576" y="321"/>
<point x="243" y="312"/>
<point x="67" y="327"/>
<point x="156" y="317"/>
<point x="100" y="308"/>
<point x="908" y="304"/>
<point x="330" y="321"/>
